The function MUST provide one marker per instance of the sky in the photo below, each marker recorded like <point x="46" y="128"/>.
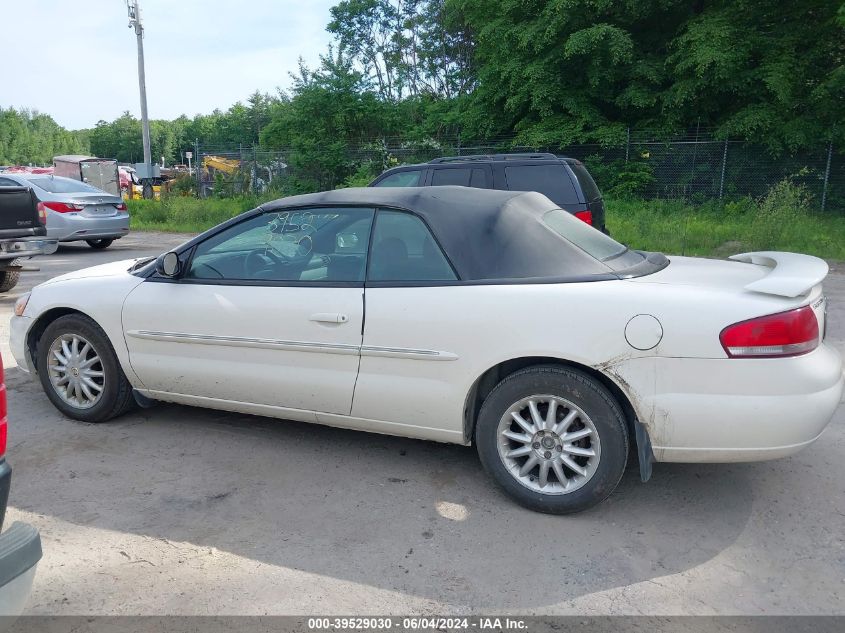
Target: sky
<point x="76" y="60"/>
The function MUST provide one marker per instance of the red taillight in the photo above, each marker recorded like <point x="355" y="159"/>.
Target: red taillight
<point x="61" y="207"/>
<point x="42" y="213"/>
<point x="121" y="206"/>
<point x="585" y="216"/>
<point x="773" y="336"/>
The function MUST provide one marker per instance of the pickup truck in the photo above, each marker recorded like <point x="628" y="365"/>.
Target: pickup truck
<point x="23" y="227"/>
<point x="20" y="545"/>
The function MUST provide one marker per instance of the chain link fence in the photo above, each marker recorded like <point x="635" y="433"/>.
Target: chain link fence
<point x="227" y="172"/>
<point x="695" y="167"/>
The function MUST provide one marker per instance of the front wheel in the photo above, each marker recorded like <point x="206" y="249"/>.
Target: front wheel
<point x="553" y="438"/>
<point x="99" y="244"/>
<point x="79" y="370"/>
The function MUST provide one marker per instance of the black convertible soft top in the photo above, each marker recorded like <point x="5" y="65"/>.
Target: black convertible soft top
<point x="487" y="234"/>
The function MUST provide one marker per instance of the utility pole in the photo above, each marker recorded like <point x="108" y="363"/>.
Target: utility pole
<point x="135" y="21"/>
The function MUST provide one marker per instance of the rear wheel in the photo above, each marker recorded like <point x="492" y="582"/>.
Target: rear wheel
<point x="79" y="370"/>
<point x="553" y="438"/>
<point x="9" y="278"/>
<point x="99" y="244"/>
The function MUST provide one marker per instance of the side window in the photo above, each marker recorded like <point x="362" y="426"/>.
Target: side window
<point x="404" y="250"/>
<point x="465" y="177"/>
<point x="478" y="179"/>
<point x="316" y="245"/>
<point x="447" y="176"/>
<point x="409" y="178"/>
<point x="552" y="181"/>
<point x="8" y="182"/>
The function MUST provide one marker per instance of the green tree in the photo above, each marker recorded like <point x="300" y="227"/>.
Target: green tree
<point x="31" y="137"/>
<point x="559" y="71"/>
<point x="407" y="48"/>
<point x="331" y="109"/>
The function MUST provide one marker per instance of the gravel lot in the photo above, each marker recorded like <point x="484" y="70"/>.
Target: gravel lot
<point x="175" y="510"/>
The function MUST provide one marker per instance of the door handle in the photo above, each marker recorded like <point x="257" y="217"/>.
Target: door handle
<point x="329" y="317"/>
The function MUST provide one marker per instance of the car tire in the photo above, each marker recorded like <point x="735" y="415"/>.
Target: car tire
<point x="586" y="419"/>
<point x="106" y="394"/>
<point x="9" y="278"/>
<point x="99" y="244"/>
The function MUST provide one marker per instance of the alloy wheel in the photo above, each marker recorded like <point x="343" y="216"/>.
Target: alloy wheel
<point x="548" y="444"/>
<point x="75" y="371"/>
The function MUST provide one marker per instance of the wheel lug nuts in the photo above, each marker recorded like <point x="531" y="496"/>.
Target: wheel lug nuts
<point x="536" y="445"/>
<point x="558" y="448"/>
<point x="547" y="454"/>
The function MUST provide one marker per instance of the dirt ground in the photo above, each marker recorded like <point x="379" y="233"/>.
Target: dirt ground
<point x="175" y="510"/>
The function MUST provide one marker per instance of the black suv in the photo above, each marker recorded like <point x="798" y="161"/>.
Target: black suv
<point x="565" y="181"/>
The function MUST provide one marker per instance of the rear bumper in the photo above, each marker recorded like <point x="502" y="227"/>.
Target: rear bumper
<point x="69" y="227"/>
<point x="734" y="410"/>
<point x="5" y="482"/>
<point x="20" y="551"/>
<point x="11" y="249"/>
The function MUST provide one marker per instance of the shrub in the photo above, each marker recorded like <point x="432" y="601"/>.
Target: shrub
<point x="779" y="213"/>
<point x="619" y="178"/>
<point x="183" y="185"/>
<point x="362" y="177"/>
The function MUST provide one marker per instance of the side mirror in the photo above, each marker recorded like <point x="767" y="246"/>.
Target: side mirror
<point x="168" y="265"/>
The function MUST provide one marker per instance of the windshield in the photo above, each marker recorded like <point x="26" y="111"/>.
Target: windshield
<point x="57" y="184"/>
<point x="591" y="241"/>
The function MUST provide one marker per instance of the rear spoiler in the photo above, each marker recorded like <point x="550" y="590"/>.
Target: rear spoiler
<point x="792" y="274"/>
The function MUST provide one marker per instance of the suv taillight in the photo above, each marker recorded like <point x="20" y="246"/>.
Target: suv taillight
<point x="585" y="216"/>
<point x="42" y="213"/>
<point x="773" y="336"/>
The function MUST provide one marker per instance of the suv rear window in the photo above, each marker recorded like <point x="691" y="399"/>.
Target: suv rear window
<point x="591" y="191"/>
<point x="552" y="181"/>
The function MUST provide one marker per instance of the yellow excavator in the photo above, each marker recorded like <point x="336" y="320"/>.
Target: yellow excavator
<point x="230" y="167"/>
<point x="226" y="165"/>
<point x="245" y="176"/>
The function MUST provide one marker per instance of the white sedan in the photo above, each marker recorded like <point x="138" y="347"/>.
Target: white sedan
<point x="456" y="315"/>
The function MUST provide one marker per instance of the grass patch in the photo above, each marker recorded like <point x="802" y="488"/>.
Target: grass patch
<point x="718" y="231"/>
<point x="186" y="215"/>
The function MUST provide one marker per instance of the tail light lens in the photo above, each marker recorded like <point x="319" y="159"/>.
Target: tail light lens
<point x="42" y="213"/>
<point x="585" y="216"/>
<point x="121" y="206"/>
<point x="773" y="336"/>
<point x="61" y="207"/>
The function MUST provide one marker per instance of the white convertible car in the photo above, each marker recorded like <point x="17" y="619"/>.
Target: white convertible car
<point x="456" y="315"/>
